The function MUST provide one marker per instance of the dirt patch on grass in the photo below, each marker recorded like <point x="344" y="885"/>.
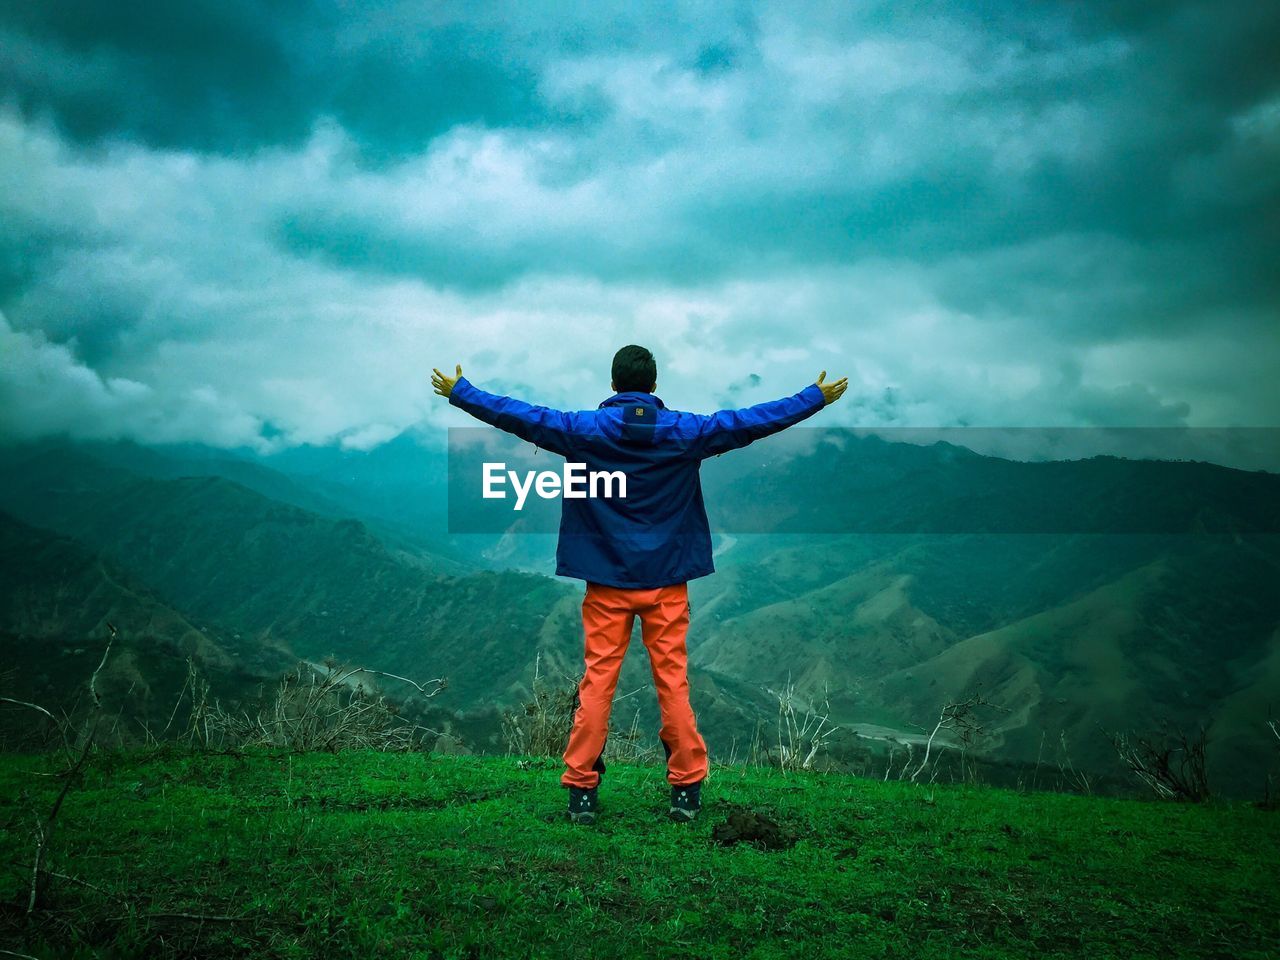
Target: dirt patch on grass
<point x="755" y="828"/>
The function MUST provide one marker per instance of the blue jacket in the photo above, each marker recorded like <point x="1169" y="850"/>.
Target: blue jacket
<point x="658" y="535"/>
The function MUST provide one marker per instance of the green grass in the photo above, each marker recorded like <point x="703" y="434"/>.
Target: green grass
<point x="366" y="854"/>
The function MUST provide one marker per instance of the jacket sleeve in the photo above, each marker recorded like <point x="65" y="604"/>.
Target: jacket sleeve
<point x="552" y="430"/>
<point x="731" y="429"/>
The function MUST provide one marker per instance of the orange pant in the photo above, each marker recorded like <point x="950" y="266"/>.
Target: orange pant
<point x="607" y="617"/>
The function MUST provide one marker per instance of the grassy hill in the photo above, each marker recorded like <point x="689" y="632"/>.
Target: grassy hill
<point x="419" y="855"/>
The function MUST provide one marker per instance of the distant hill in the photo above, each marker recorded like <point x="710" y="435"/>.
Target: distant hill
<point x="309" y="583"/>
<point x="48" y="464"/>
<point x="1073" y="636"/>
<point x="56" y="599"/>
<point x="397" y="488"/>
<point x="870" y="485"/>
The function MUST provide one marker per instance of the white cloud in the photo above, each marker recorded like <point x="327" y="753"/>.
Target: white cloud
<point x="165" y="306"/>
<point x="45" y="390"/>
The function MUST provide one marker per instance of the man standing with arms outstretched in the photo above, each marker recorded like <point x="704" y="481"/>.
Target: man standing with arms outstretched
<point x="636" y="553"/>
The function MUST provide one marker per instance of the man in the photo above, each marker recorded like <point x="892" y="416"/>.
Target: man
<point x="638" y="552"/>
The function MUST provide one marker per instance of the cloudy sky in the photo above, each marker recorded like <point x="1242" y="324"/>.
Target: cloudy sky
<point x="262" y="224"/>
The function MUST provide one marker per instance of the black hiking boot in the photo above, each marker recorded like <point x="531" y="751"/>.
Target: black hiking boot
<point x="582" y="805"/>
<point x="686" y="801"/>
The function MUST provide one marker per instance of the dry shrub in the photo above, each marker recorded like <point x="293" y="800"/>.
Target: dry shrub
<point x="326" y="707"/>
<point x="804" y="729"/>
<point x="1171" y="764"/>
<point x="540" y="727"/>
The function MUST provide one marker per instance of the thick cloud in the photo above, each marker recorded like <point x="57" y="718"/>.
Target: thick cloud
<point x="45" y="390"/>
<point x="259" y="224"/>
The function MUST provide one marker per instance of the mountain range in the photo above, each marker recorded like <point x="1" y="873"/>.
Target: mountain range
<point x="911" y="577"/>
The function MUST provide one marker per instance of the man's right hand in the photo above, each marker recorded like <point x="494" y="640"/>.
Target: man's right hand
<point x="831" y="392"/>
<point x="443" y="383"/>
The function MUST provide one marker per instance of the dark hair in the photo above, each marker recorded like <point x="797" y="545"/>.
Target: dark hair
<point x="634" y="370"/>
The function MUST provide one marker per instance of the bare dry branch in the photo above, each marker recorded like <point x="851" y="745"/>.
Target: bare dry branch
<point x="1171" y="765"/>
<point x="960" y="717"/>
<point x="440" y="682"/>
<point x="60" y="725"/>
<point x="44" y="831"/>
<point x="802" y="734"/>
<point x="33" y="706"/>
<point x="93" y="680"/>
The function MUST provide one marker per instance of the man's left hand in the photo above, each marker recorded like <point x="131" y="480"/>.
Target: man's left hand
<point x="831" y="392"/>
<point x="444" y="384"/>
